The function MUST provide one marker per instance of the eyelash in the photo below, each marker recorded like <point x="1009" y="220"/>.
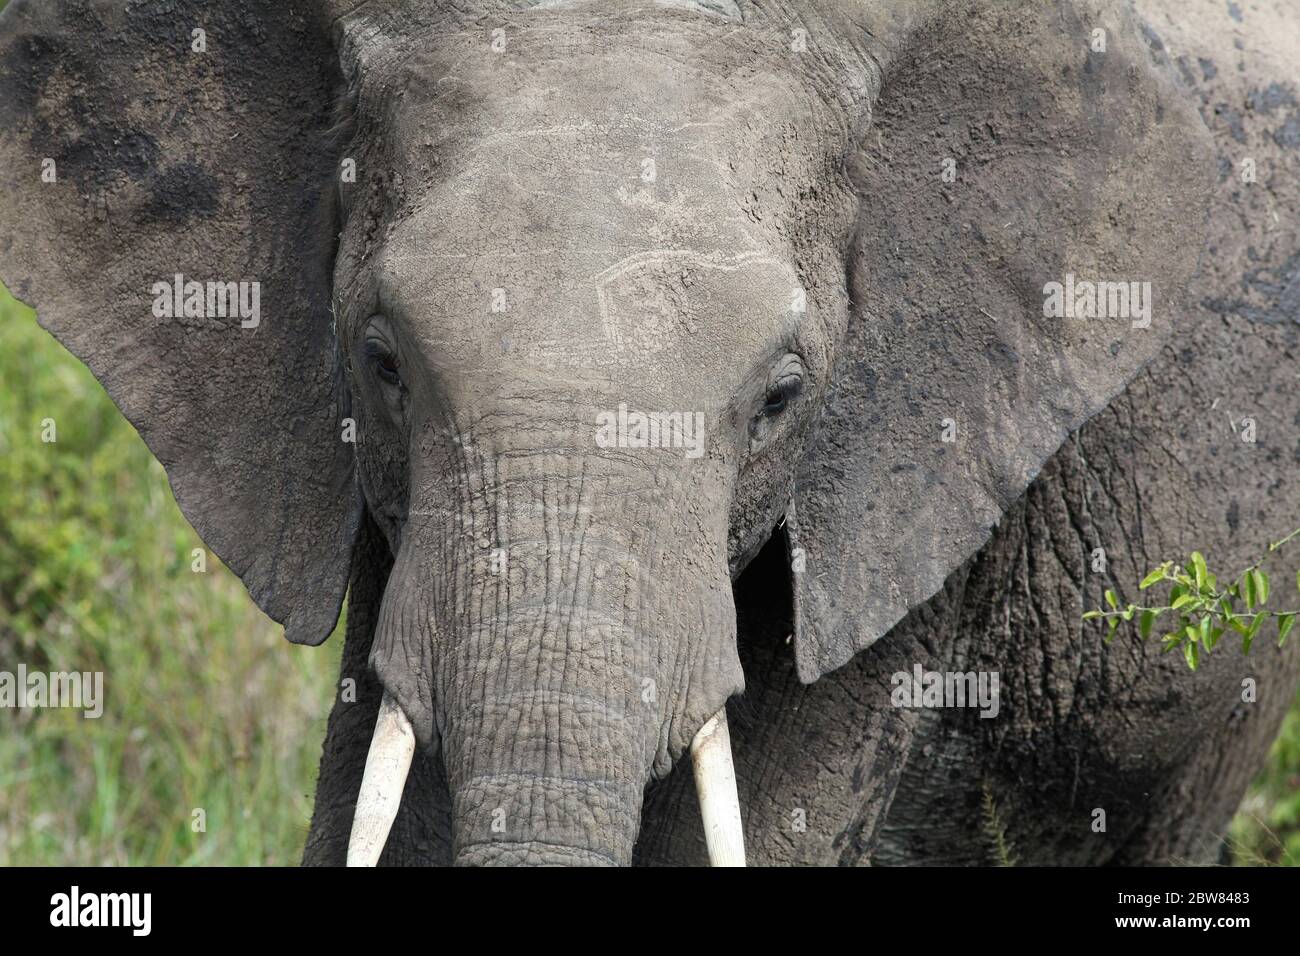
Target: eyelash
<point x="382" y="359"/>
<point x="784" y="391"/>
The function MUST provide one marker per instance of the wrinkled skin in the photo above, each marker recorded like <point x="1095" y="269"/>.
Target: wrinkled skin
<point x="661" y="208"/>
<point x="559" y="681"/>
<point x="877" y="784"/>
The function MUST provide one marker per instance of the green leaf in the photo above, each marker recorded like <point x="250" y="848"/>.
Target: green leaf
<point x="1111" y="599"/>
<point x="1090" y="615"/>
<point x="1213" y="638"/>
<point x="1127" y="613"/>
<point x="1183" y="600"/>
<point x="1248" y="590"/>
<point x="1193" y="654"/>
<point x="1158" y="575"/>
<point x="1251" y="631"/>
<point x="1297" y="580"/>
<point x="1144" y="623"/>
<point x="1261" y="585"/>
<point x="1110" y="634"/>
<point x="1225" y="611"/>
<point x="1199" y="569"/>
<point x="1284" y="624"/>
<point x="1193" y="633"/>
<point x="1207" y="624"/>
<point x="1170" y="641"/>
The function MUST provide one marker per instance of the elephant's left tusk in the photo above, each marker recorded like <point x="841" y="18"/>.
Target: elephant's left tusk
<point x="387" y="765"/>
<point x="715" y="783"/>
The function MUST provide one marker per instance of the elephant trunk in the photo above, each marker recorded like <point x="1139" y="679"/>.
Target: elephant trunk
<point x="584" y="637"/>
<point x="545" y="778"/>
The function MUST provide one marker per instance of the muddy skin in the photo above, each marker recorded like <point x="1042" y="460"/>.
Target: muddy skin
<point x="734" y="215"/>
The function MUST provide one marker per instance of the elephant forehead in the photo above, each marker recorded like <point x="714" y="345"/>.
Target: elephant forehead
<point x="571" y="189"/>
<point x="725" y="9"/>
<point x="669" y="315"/>
<point x="599" y="207"/>
<point x="583" y="62"/>
<point x="629" y="134"/>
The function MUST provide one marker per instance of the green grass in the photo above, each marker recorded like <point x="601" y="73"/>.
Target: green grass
<point x="1266" y="830"/>
<point x="206" y="705"/>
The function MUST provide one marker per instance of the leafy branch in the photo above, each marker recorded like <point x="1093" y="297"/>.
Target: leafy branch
<point x="1201" y="612"/>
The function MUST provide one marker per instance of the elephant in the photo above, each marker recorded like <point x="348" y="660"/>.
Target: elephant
<point x="667" y="383"/>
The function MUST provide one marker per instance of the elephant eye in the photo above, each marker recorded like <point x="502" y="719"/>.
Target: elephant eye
<point x="388" y="370"/>
<point x="784" y="391"/>
<point x="384" y="361"/>
<point x="785" y="382"/>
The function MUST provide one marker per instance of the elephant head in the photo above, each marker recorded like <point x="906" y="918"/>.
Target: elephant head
<point x="581" y="303"/>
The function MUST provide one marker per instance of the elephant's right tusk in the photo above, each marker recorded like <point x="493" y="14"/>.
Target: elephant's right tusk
<point x="715" y="783"/>
<point x="387" y="765"/>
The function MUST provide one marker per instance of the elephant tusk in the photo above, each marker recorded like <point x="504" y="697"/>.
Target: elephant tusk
<point x="715" y="783"/>
<point x="387" y="764"/>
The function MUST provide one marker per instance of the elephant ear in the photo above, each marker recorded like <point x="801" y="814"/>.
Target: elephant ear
<point x="1073" y="155"/>
<point x="135" y="150"/>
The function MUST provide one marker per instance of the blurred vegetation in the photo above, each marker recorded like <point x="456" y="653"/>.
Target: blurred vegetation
<point x="206" y="705"/>
<point x="1266" y="830"/>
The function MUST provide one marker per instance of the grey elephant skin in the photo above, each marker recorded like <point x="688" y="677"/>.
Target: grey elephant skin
<point x="810" y="243"/>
